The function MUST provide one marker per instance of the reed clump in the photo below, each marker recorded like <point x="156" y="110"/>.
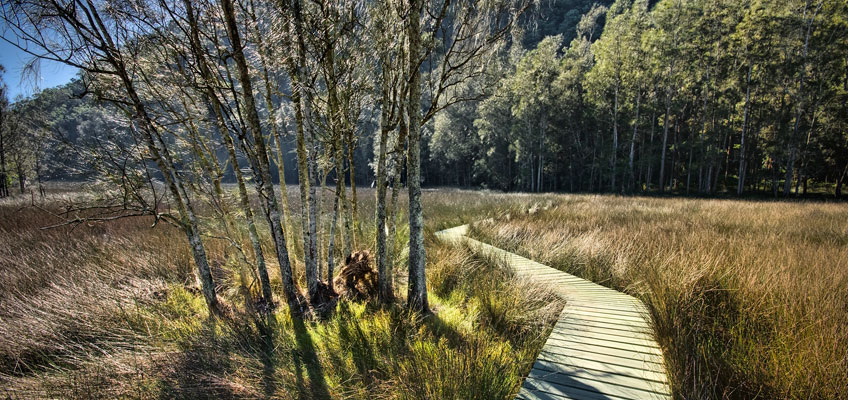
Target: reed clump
<point x="113" y="311"/>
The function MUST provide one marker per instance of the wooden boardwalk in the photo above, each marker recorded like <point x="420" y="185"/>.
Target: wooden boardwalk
<point x="602" y="346"/>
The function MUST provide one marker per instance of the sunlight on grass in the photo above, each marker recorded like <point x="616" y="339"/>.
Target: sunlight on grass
<point x="749" y="298"/>
<point x="124" y="322"/>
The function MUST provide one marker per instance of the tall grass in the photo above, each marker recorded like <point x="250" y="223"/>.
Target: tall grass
<point x="750" y="299"/>
<point x="113" y="311"/>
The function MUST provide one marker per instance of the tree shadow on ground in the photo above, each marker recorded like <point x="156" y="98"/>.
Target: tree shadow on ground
<point x="305" y="357"/>
<point x="190" y="374"/>
<point x="441" y="328"/>
<point x="266" y="328"/>
<point x="361" y="351"/>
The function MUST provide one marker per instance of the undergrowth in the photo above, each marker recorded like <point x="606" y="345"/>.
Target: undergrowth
<point x="113" y="311"/>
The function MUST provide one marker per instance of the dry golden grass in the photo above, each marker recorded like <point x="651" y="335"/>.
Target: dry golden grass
<point x="750" y="299"/>
<point x="112" y="311"/>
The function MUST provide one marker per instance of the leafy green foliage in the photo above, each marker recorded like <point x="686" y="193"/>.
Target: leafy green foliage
<point x="637" y="66"/>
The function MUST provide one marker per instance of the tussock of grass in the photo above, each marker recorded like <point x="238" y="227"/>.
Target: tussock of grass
<point x="112" y="311"/>
<point x="750" y="299"/>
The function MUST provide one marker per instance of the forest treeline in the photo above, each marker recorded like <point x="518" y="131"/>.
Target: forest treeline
<point x="176" y="99"/>
<point x="684" y="96"/>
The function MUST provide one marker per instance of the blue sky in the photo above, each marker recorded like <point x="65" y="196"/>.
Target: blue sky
<point x="13" y="59"/>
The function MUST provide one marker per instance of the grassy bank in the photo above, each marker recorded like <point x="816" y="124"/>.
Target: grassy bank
<point x="113" y="311"/>
<point x="750" y="299"/>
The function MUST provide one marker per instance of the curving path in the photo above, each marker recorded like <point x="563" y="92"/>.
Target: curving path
<point x="602" y="346"/>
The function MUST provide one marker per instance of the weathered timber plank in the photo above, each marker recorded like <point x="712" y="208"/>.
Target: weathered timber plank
<point x="585" y="381"/>
<point x="606" y="341"/>
<point x="572" y="346"/>
<point x="595" y="365"/>
<point x="565" y="356"/>
<point x="595" y="334"/>
<point x="562" y="376"/>
<point x="577" y="390"/>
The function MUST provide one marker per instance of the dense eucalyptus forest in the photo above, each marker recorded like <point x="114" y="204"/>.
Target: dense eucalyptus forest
<point x="683" y="96"/>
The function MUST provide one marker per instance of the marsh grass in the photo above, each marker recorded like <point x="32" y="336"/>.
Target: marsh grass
<point x="113" y="311"/>
<point x="750" y="299"/>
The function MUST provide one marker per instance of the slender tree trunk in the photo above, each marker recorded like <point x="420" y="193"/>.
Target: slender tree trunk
<point x="840" y="181"/>
<point x="725" y="144"/>
<point x="332" y="239"/>
<point x="260" y="164"/>
<point x="530" y="156"/>
<point x="676" y="152"/>
<point x="258" y="253"/>
<point x="649" y="174"/>
<point x="592" y="170"/>
<point x="774" y="177"/>
<point x="543" y="127"/>
<point x="284" y="193"/>
<point x="321" y="195"/>
<point x="299" y="98"/>
<point x="275" y="131"/>
<point x="793" y="148"/>
<point x="162" y="156"/>
<point x="689" y="164"/>
<point x="740" y="185"/>
<point x="244" y="201"/>
<point x="314" y="212"/>
<point x="215" y="107"/>
<point x="19" y="168"/>
<point x="614" y="156"/>
<point x="417" y="290"/>
<point x="354" y="200"/>
<point x="4" y="187"/>
<point x="385" y="281"/>
<point x="38" y="177"/>
<point x="664" y="142"/>
<point x="633" y="138"/>
<point x="398" y="173"/>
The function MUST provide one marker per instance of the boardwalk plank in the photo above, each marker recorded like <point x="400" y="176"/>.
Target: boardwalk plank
<point x="596" y="316"/>
<point x="607" y="341"/>
<point x="574" y="346"/>
<point x="577" y="390"/>
<point x="563" y="374"/>
<point x="570" y="319"/>
<point x="594" y="365"/>
<point x="591" y="334"/>
<point x="562" y="381"/>
<point x="528" y="394"/>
